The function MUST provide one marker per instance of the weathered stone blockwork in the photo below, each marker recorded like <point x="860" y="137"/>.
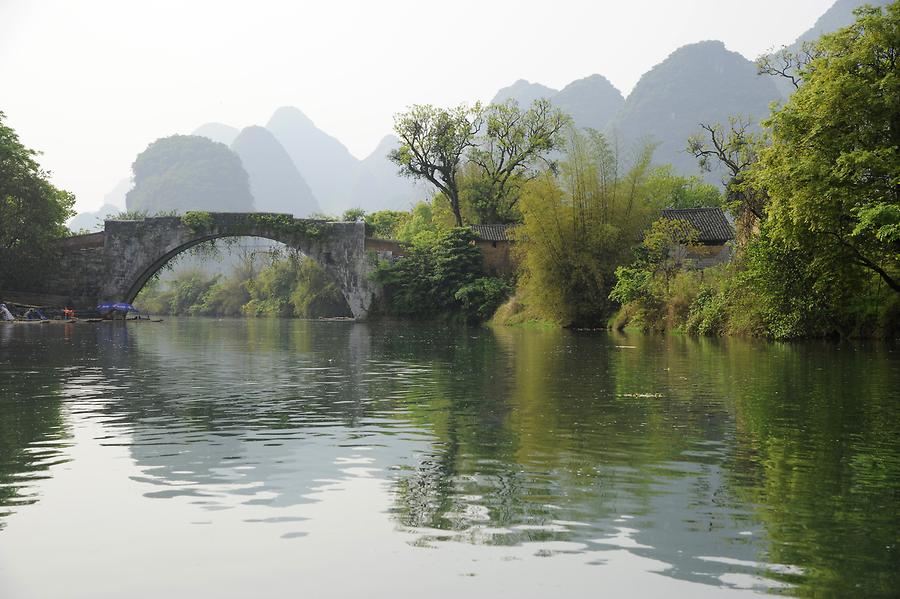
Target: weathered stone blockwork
<point x="114" y="265"/>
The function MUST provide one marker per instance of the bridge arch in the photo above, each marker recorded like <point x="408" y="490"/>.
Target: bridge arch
<point x="130" y="252"/>
<point x="136" y="250"/>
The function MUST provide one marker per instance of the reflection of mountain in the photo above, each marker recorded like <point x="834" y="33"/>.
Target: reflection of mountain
<point x="275" y="182"/>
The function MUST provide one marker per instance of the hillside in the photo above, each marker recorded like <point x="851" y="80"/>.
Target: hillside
<point x="189" y="172"/>
<point x="702" y="82"/>
<point x="325" y="164"/>
<point x="524" y="92"/>
<point x="591" y="102"/>
<point x="224" y="134"/>
<point x="275" y="182"/>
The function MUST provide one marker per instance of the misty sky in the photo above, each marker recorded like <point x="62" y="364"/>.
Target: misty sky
<point x="91" y="83"/>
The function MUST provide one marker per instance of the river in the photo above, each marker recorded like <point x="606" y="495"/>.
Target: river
<point x="268" y="458"/>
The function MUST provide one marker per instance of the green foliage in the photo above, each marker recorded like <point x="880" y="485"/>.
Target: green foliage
<point x="426" y="281"/>
<point x="433" y="142"/>
<point x="579" y="226"/>
<point x="504" y="145"/>
<point x="315" y="294"/>
<point x="481" y="298"/>
<point x="197" y="221"/>
<point x="32" y="213"/>
<point x="185" y="172"/>
<point x="633" y="284"/>
<point x="385" y="224"/>
<point x="512" y="150"/>
<point x="708" y="314"/>
<point x="421" y="221"/>
<point x="354" y="215"/>
<point x="287" y="225"/>
<point x="675" y="191"/>
<point x="832" y="171"/>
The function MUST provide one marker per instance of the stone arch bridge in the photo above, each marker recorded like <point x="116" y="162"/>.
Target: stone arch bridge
<point x="113" y="265"/>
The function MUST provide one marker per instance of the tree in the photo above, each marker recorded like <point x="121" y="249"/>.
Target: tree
<point x="736" y="148"/>
<point x="676" y="191"/>
<point x="513" y="148"/>
<point x="787" y="63"/>
<point x="435" y="268"/>
<point x="433" y="142"/>
<point x="578" y="226"/>
<point x="832" y="171"/>
<point x="32" y="212"/>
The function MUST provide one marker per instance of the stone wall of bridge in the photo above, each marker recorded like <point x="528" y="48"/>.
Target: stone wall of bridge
<point x="114" y="265"/>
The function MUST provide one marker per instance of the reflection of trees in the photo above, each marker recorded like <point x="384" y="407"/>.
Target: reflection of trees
<point x="683" y="435"/>
<point x="817" y="450"/>
<point x="33" y="429"/>
<point x="529" y="432"/>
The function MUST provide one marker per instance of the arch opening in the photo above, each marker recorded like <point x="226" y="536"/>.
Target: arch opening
<point x="239" y="275"/>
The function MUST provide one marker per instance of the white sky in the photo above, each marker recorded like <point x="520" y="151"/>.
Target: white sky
<point x="91" y="83"/>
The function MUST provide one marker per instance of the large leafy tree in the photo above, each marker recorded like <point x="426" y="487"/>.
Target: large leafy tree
<point x="433" y="142"/>
<point x="515" y="147"/>
<point x="32" y="212"/>
<point x="479" y="156"/>
<point x="832" y="170"/>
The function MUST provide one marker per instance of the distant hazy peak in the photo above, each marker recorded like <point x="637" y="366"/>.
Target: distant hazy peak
<point x="219" y="132"/>
<point x="595" y="81"/>
<point x="254" y="131"/>
<point x="291" y="114"/>
<point x="839" y="15"/>
<point x="700" y="48"/>
<point x="524" y="92"/>
<point x="387" y="143"/>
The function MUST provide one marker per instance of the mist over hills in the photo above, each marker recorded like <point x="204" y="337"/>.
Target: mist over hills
<point x="377" y="185"/>
<point x="591" y="102"/>
<point x="700" y="82"/>
<point x="275" y="182"/>
<point x="325" y="163"/>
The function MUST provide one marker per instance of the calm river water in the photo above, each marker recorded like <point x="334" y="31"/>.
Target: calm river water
<point x="275" y="458"/>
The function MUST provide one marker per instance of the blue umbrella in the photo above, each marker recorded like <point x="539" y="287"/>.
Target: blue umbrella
<point x="117" y="306"/>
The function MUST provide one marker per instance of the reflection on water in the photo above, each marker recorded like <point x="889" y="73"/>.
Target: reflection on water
<point x="505" y="461"/>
